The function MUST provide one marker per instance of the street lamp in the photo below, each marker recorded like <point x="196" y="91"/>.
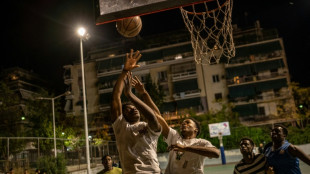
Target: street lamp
<point x="84" y="36"/>
<point x="53" y="109"/>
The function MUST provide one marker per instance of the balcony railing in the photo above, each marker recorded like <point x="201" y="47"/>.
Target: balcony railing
<point x="254" y="58"/>
<point x="159" y="60"/>
<point x="184" y="75"/>
<point x="186" y="94"/>
<point x="104" y="107"/>
<point x="262" y="98"/>
<point x="254" y="78"/>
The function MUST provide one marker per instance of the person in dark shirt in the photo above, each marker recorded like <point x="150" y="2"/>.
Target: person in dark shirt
<point x="283" y="156"/>
<point x="251" y="162"/>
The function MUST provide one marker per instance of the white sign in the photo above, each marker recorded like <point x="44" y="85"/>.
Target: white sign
<point x="217" y="128"/>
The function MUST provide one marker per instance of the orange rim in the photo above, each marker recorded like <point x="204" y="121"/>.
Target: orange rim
<point x="207" y="12"/>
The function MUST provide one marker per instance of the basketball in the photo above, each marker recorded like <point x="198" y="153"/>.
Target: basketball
<point x="129" y="27"/>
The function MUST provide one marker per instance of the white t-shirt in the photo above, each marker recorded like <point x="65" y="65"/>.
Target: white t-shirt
<point x="185" y="162"/>
<point x="137" y="146"/>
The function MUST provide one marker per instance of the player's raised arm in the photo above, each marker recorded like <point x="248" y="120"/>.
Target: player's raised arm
<point x="148" y="113"/>
<point x="138" y="85"/>
<point x="130" y="63"/>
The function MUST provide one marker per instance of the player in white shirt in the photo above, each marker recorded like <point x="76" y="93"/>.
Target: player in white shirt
<point x="187" y="153"/>
<point x="136" y="140"/>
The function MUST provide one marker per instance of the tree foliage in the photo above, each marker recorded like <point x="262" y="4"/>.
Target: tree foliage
<point x="155" y="91"/>
<point x="11" y="125"/>
<point x="302" y="102"/>
<point x="52" y="165"/>
<point x="40" y="122"/>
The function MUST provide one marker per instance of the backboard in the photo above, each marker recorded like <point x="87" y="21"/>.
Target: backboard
<point x="216" y="129"/>
<point x="112" y="10"/>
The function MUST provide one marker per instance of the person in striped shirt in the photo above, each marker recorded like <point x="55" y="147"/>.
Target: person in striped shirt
<point x="251" y="162"/>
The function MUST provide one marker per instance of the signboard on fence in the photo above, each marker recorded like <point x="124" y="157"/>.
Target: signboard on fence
<point x="217" y="128"/>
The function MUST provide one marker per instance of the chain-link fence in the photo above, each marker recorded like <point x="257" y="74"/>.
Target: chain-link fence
<point x="24" y="152"/>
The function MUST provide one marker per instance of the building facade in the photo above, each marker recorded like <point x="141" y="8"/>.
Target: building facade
<point x="255" y="80"/>
<point x="24" y="85"/>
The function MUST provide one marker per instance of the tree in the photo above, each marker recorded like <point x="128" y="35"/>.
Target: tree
<point x="51" y="165"/>
<point x="11" y="124"/>
<point x="302" y="103"/>
<point x="40" y="116"/>
<point x="155" y="91"/>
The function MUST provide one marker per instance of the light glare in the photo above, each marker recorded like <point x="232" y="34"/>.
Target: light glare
<point x="81" y="31"/>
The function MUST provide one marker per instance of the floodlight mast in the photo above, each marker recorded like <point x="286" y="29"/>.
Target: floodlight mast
<point x="84" y="36"/>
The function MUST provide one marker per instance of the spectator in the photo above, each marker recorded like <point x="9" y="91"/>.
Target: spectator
<point x="37" y="171"/>
<point x="250" y="162"/>
<point x="107" y="162"/>
<point x="283" y="156"/>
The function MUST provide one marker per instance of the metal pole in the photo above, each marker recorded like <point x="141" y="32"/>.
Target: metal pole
<point x="222" y="149"/>
<point x="85" y="109"/>
<point x="8" y="144"/>
<point x="38" y="148"/>
<point x="53" y="108"/>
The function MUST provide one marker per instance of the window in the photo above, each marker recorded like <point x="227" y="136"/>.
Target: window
<point x="162" y="76"/>
<point x="261" y="111"/>
<point x="216" y="78"/>
<point x="218" y="96"/>
<point x="165" y="88"/>
<point x="236" y="80"/>
<point x="143" y="78"/>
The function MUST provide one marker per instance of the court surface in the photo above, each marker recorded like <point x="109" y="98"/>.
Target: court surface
<point x="228" y="168"/>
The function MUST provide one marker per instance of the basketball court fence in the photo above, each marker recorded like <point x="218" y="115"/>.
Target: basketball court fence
<point x="24" y="152"/>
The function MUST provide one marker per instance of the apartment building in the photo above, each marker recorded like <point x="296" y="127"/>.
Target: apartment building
<point x="24" y="84"/>
<point x="255" y="81"/>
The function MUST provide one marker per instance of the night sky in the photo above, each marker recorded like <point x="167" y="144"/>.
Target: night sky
<point x="40" y="35"/>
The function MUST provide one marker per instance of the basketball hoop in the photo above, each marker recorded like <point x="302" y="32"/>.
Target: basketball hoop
<point x="209" y="24"/>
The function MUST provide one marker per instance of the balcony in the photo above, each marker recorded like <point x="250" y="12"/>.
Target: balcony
<point x="184" y="75"/>
<point x="186" y="94"/>
<point x="104" y="107"/>
<point x="161" y="60"/>
<point x="68" y="79"/>
<point x="258" y="120"/>
<point x="255" y="78"/>
<point x="262" y="98"/>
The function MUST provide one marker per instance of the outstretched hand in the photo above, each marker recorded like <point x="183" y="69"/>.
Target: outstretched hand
<point x="131" y="60"/>
<point x="136" y="83"/>
<point x="128" y="82"/>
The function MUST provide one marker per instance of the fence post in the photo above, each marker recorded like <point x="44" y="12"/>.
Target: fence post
<point x="38" y="148"/>
<point x="8" y="150"/>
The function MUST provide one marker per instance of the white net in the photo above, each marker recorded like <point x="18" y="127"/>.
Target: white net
<point x="209" y="24"/>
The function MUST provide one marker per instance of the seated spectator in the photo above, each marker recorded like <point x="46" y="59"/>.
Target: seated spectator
<point x="108" y="166"/>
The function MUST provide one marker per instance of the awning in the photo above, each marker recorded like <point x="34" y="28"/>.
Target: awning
<point x="105" y="98"/>
<point x="246" y="110"/>
<point x="177" y="50"/>
<point x="268" y="85"/>
<point x="269" y="65"/>
<point x="250" y="69"/>
<point x="244" y="70"/>
<point x="105" y="79"/>
<point x="113" y="62"/>
<point x="168" y="107"/>
<point x="187" y="103"/>
<point x="154" y="55"/>
<point x="258" y="49"/>
<point x="185" y="85"/>
<point x="241" y="91"/>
